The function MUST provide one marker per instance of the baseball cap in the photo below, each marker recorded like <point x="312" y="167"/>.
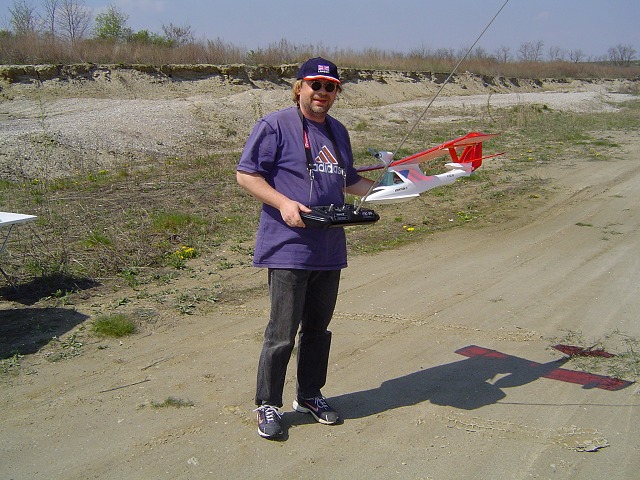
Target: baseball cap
<point x="318" y="68"/>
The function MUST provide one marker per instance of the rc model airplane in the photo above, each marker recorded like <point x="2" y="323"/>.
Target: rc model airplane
<point x="403" y="180"/>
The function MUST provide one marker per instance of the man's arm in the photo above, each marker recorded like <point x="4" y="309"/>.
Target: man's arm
<point x="360" y="188"/>
<point x="256" y="185"/>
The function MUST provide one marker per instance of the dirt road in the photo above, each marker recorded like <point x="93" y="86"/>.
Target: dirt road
<point x="410" y="372"/>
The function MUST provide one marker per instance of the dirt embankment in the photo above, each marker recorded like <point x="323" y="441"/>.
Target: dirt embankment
<point x="237" y="74"/>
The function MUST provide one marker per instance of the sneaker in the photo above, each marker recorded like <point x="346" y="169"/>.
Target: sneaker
<point x="318" y="407"/>
<point x="268" y="421"/>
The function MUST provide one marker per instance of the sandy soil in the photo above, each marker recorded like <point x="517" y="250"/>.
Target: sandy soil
<point x="418" y="399"/>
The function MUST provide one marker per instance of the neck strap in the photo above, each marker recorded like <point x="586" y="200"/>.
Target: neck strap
<point x="307" y="150"/>
<point x="307" y="143"/>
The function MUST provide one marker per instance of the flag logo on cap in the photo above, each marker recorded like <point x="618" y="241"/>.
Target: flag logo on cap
<point x="316" y="68"/>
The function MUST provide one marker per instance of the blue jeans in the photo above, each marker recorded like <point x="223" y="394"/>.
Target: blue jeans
<point x="305" y="300"/>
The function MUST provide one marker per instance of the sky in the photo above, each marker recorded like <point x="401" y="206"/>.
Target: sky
<point x="592" y="26"/>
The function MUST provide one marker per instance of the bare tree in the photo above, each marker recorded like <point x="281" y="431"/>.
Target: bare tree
<point x="556" y="54"/>
<point x="479" y="53"/>
<point x="23" y="18"/>
<point x="531" y="51"/>
<point x="445" y="54"/>
<point x="74" y="19"/>
<point x="503" y="54"/>
<point x="622" y="54"/>
<point x="177" y="35"/>
<point x="576" y="56"/>
<point x="49" y="17"/>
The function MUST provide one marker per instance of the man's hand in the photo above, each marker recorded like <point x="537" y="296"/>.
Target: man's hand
<point x="290" y="211"/>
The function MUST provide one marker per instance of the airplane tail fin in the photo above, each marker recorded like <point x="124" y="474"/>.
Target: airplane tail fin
<point x="471" y="158"/>
<point x="472" y="154"/>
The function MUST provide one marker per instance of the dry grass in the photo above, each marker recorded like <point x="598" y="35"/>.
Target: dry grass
<point x="34" y="50"/>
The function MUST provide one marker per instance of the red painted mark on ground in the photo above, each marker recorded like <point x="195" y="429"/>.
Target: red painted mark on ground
<point x="546" y="370"/>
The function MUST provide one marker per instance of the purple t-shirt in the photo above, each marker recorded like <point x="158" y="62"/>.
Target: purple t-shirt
<point x="275" y="150"/>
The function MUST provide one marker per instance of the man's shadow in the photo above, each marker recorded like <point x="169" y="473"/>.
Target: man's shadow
<point x="465" y="384"/>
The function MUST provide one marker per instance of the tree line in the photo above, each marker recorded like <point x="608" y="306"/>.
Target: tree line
<point x="72" y="20"/>
<point x="67" y="23"/>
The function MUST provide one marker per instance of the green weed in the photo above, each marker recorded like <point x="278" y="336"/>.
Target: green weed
<point x="11" y="364"/>
<point x="63" y="348"/>
<point x="118" y="325"/>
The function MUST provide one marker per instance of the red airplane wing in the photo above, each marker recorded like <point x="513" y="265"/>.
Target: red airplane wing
<point x="470" y="139"/>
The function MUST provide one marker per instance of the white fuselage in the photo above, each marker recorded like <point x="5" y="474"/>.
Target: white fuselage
<point x="407" y="182"/>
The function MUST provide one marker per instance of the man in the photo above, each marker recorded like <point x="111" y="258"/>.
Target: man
<point x="295" y="158"/>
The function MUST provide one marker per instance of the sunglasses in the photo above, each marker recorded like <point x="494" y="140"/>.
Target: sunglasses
<point x="328" y="87"/>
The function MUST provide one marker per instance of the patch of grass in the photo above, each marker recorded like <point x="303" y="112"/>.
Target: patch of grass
<point x="97" y="238"/>
<point x="118" y="325"/>
<point x="175" y="221"/>
<point x="173" y="402"/>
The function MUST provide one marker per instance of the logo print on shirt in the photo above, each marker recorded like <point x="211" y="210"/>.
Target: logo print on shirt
<point x="325" y="162"/>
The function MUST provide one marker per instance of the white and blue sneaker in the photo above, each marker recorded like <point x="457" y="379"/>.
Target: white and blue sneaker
<point x="318" y="407"/>
<point x="268" y="421"/>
